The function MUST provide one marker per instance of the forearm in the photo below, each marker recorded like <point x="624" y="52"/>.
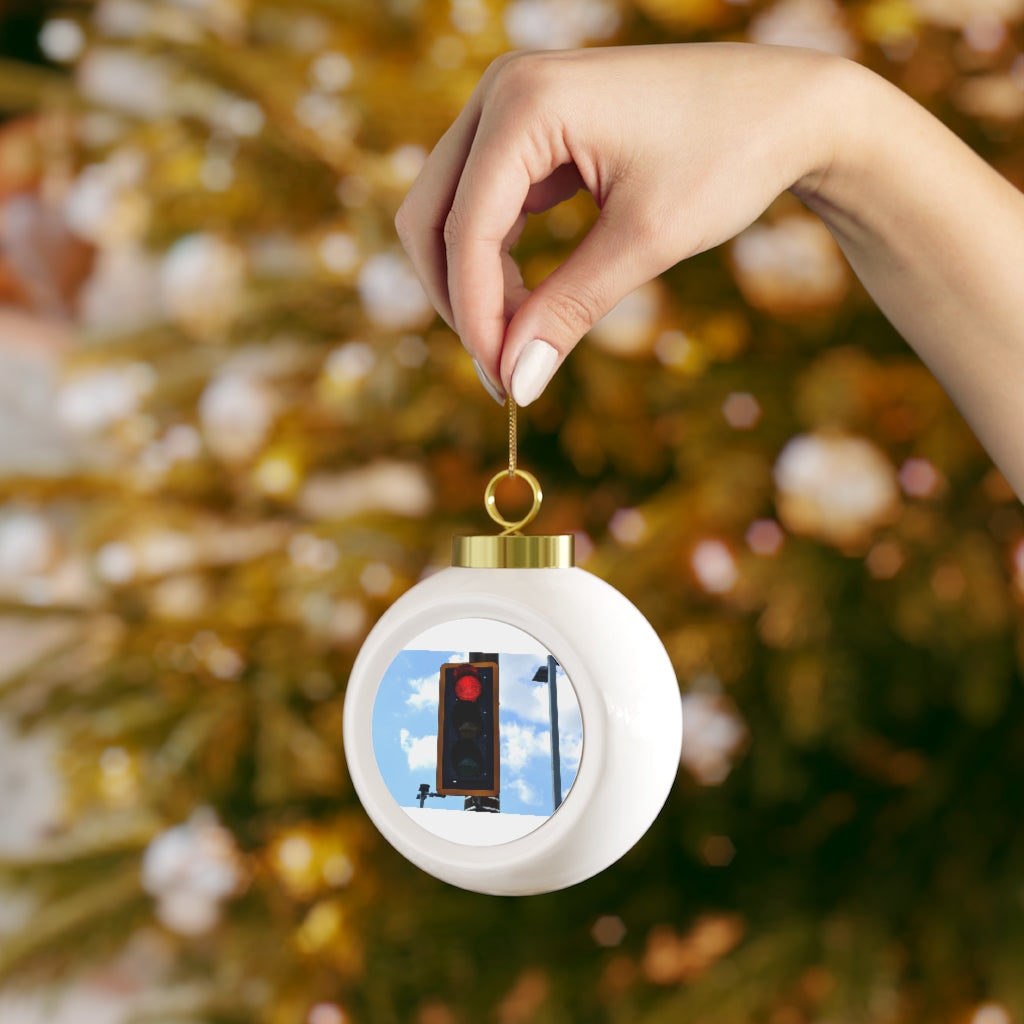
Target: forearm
<point x="937" y="238"/>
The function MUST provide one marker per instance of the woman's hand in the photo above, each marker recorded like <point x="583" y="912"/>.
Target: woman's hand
<point x="684" y="146"/>
<point x="680" y="146"/>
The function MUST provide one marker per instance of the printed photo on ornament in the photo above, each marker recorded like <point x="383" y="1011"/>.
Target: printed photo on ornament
<point x="477" y="732"/>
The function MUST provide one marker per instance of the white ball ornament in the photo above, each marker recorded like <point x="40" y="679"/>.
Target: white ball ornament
<point x="513" y="724"/>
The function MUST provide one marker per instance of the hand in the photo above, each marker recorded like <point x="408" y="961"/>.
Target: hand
<point x="681" y="147"/>
<point x="684" y="146"/>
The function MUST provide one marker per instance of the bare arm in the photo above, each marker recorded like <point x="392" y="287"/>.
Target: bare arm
<point x="937" y="238"/>
<point x="684" y="146"/>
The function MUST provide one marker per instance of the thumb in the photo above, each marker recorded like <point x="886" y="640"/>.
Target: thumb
<point x="608" y="264"/>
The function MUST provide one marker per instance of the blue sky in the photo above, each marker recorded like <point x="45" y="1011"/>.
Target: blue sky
<point x="405" y="717"/>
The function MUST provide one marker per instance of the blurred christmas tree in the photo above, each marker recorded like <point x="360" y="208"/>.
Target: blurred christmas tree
<point x="265" y="437"/>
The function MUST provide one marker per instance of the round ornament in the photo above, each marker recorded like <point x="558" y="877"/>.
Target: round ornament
<point x="512" y="723"/>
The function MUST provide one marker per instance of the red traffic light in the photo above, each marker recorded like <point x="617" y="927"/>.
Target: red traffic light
<point x="467" y="687"/>
<point x="467" y="728"/>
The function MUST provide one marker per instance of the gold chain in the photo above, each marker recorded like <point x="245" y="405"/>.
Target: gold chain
<point x="513" y="440"/>
<point x="512" y="527"/>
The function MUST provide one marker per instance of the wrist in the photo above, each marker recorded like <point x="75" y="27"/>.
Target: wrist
<point x="881" y="164"/>
<point x="844" y="106"/>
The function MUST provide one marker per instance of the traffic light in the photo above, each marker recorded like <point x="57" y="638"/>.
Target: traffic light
<point x="467" y="729"/>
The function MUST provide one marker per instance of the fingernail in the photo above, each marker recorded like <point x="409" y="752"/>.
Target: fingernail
<point x="489" y="386"/>
<point x="534" y="369"/>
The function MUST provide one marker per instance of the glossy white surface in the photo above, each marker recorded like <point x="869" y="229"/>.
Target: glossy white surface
<point x="630" y="705"/>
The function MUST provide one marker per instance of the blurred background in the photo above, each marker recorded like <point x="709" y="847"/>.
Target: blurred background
<point x="232" y="432"/>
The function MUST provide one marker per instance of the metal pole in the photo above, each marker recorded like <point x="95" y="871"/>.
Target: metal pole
<point x="556" y="763"/>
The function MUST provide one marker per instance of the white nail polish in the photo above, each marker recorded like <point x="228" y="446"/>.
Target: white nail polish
<point x="489" y="386"/>
<point x="534" y="369"/>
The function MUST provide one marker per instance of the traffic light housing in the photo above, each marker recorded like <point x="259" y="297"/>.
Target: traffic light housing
<point x="467" y="729"/>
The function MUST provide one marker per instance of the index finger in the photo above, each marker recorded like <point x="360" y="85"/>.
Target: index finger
<point x="503" y="165"/>
<point x="420" y="219"/>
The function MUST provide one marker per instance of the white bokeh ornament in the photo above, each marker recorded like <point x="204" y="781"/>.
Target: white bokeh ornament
<point x="526" y="701"/>
<point x="190" y="870"/>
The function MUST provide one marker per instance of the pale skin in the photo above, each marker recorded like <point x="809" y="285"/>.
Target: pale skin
<point x="682" y="147"/>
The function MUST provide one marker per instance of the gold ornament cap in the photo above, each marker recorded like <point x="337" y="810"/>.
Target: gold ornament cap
<point x="510" y="549"/>
<point x="513" y="551"/>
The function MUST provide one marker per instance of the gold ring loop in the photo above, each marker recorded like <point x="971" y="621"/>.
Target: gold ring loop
<point x="490" y="503"/>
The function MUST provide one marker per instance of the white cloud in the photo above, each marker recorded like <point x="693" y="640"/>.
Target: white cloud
<point x="520" y="743"/>
<point x="526" y="793"/>
<point x="423" y="693"/>
<point x="526" y="700"/>
<point x="421" y="752"/>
